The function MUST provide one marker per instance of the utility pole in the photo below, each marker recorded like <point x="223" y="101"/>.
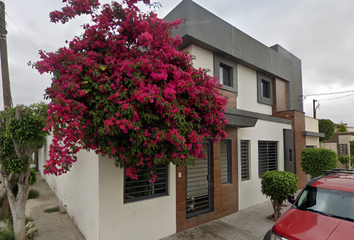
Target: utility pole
<point x="4" y="62"/>
<point x="314" y="108"/>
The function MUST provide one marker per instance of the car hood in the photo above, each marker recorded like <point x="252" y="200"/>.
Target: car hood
<point x="302" y="225"/>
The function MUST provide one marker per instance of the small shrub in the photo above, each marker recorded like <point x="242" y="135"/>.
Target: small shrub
<point x="344" y="159"/>
<point x="33" y="177"/>
<point x="33" y="193"/>
<point x="6" y="234"/>
<point x="314" y="161"/>
<point x="53" y="209"/>
<point x="277" y="185"/>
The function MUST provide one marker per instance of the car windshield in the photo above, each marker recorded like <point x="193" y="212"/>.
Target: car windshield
<point x="327" y="202"/>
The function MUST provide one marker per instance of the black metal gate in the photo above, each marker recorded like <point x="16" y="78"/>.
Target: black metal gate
<point x="198" y="185"/>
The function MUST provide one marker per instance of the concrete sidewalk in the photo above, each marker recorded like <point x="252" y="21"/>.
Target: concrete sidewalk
<point x="248" y="224"/>
<point x="53" y="226"/>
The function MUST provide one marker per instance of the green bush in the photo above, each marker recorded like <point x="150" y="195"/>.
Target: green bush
<point x="33" y="177"/>
<point x="344" y="159"/>
<point x="6" y="234"/>
<point x="277" y="185"/>
<point x="33" y="193"/>
<point x="314" y="161"/>
<point x="327" y="127"/>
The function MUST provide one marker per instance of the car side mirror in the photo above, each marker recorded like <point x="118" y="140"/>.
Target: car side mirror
<point x="291" y="198"/>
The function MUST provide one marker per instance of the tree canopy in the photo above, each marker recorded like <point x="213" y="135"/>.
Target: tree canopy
<point x="342" y="127"/>
<point x="21" y="134"/>
<point x="125" y="90"/>
<point x="327" y="127"/>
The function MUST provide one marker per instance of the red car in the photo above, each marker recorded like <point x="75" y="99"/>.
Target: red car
<point x="323" y="210"/>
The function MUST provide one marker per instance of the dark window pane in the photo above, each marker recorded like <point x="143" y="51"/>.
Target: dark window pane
<point x="245" y="174"/>
<point x="225" y="159"/>
<point x="225" y="75"/>
<point x="265" y="85"/>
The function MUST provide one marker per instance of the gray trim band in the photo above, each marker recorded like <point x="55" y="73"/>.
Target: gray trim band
<point x="240" y="121"/>
<point x="243" y="113"/>
<point x="313" y="134"/>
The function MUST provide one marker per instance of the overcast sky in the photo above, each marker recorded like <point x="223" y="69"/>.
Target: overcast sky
<point x="319" y="32"/>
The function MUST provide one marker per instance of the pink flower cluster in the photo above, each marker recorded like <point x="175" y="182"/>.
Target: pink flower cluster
<point x="123" y="89"/>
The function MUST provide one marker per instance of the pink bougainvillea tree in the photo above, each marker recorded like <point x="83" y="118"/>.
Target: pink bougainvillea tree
<point x="124" y="89"/>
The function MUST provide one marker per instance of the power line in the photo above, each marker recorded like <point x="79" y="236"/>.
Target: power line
<point x="336" y="97"/>
<point x="22" y="32"/>
<point x="320" y="94"/>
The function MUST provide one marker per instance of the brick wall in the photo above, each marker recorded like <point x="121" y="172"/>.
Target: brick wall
<point x="280" y="92"/>
<point x="298" y="126"/>
<point x="232" y="103"/>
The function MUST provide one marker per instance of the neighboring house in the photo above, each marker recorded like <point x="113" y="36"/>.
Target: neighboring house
<point x="312" y="133"/>
<point x="266" y="131"/>
<point x="342" y="140"/>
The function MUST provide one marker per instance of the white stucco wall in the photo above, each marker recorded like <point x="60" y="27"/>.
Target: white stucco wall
<point x="313" y="141"/>
<point x="203" y="58"/>
<point x="345" y="139"/>
<point x="247" y="91"/>
<point x="148" y="219"/>
<point x="77" y="190"/>
<point x="250" y="190"/>
<point x="311" y="124"/>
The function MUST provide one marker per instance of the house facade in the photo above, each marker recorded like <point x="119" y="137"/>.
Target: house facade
<point x="341" y="142"/>
<point x="265" y="132"/>
<point x="265" y="114"/>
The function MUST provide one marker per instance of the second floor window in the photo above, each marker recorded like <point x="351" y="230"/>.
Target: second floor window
<point x="225" y="75"/>
<point x="265" y="85"/>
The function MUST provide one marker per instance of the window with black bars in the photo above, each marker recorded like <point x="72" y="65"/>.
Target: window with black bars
<point x="342" y="149"/>
<point x="245" y="170"/>
<point x="144" y="187"/>
<point x="225" y="159"/>
<point x="225" y="75"/>
<point x="267" y="156"/>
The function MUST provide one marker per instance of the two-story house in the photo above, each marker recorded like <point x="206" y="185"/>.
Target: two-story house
<point x="265" y="132"/>
<point x="265" y="114"/>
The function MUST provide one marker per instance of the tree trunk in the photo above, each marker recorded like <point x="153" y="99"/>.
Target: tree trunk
<point x="18" y="204"/>
<point x="277" y="209"/>
<point x="18" y="209"/>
